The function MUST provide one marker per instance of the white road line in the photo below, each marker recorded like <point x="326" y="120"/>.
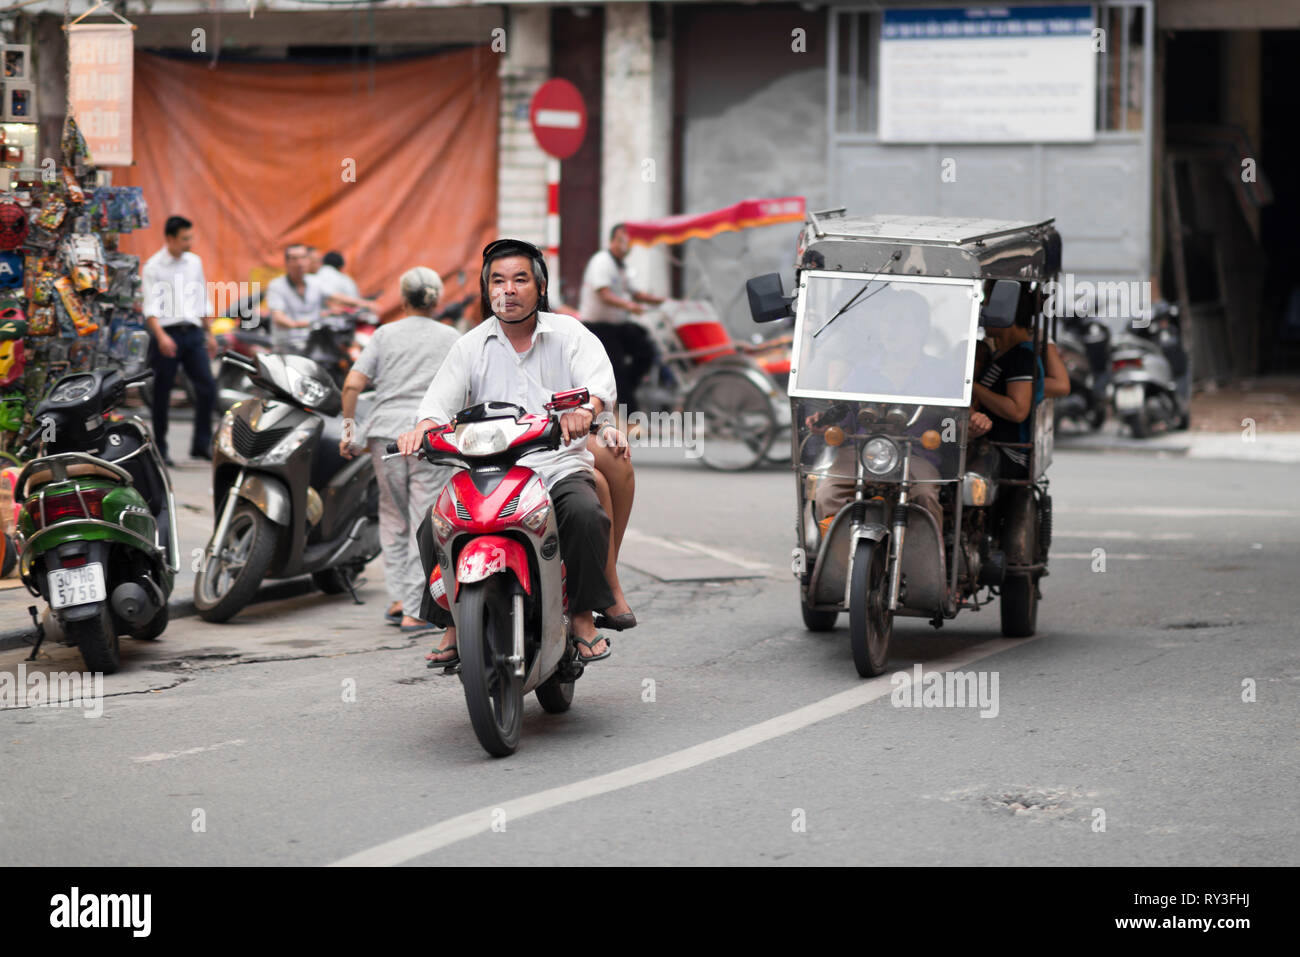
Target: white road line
<point x="168" y="755"/>
<point x="1116" y="556"/>
<point x="1126" y="534"/>
<point x="682" y="545"/>
<point x="1178" y="511"/>
<point x="429" y="839"/>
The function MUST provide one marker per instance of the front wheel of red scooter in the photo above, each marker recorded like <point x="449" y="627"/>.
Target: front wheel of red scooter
<point x="493" y="694"/>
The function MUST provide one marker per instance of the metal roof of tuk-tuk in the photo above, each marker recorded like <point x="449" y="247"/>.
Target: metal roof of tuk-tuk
<point x="929" y="230"/>
<point x="933" y="245"/>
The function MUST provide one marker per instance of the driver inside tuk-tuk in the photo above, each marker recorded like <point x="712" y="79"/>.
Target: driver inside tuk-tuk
<point x="899" y="366"/>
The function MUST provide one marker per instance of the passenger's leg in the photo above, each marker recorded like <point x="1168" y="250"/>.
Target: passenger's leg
<point x="584" y="543"/>
<point x="616" y="487"/>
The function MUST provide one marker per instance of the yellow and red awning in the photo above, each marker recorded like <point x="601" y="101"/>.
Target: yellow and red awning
<point x="747" y="214"/>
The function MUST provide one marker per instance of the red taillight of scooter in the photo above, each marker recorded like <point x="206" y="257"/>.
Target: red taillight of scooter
<point x="67" y="505"/>
<point x="1129" y="363"/>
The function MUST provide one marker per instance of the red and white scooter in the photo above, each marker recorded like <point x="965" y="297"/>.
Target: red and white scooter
<point x="497" y="551"/>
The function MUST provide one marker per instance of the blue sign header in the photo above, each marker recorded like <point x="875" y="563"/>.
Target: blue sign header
<point x="963" y="23"/>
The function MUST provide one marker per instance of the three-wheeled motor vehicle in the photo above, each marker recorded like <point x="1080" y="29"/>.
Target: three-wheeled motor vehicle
<point x="901" y="510"/>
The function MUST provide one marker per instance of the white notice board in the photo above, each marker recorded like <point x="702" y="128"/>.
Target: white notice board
<point x="988" y="75"/>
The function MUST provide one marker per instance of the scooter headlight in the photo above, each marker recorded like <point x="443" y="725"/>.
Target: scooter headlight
<point x="880" y="455"/>
<point x="225" y="439"/>
<point x="482" y="438"/>
<point x="309" y="391"/>
<point x="290" y="443"/>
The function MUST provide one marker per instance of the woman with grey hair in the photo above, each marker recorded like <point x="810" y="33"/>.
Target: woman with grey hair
<point x="399" y="361"/>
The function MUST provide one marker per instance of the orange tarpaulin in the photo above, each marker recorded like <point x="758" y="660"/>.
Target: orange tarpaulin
<point x="259" y="155"/>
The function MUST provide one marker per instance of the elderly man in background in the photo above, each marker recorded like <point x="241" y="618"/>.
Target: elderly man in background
<point x="399" y="361"/>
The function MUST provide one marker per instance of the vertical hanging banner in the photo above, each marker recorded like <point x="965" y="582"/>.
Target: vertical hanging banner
<point x="101" y="56"/>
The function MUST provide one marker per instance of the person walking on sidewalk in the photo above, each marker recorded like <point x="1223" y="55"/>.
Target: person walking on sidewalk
<point x="176" y="312"/>
<point x="399" y="360"/>
<point x="606" y="303"/>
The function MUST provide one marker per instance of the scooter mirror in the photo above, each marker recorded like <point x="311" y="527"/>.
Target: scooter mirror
<point x="767" y="299"/>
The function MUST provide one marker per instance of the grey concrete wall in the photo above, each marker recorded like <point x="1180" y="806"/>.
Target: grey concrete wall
<point x="755" y="127"/>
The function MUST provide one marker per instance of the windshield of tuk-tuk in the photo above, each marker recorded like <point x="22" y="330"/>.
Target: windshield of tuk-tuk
<point x="885" y="338"/>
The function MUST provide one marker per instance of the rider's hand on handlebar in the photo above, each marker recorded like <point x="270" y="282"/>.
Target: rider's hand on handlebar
<point x="575" y="422"/>
<point x="345" y="449"/>
<point x="408" y="443"/>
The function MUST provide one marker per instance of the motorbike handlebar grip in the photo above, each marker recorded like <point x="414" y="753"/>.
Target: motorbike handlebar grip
<point x="392" y="448"/>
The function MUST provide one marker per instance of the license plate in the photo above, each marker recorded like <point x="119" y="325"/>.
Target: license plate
<point x="1128" y="398"/>
<point x="77" y="586"/>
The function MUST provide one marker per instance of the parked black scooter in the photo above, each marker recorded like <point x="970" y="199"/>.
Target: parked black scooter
<point x="98" y="518"/>
<point x="287" y="503"/>
<point x="1084" y="346"/>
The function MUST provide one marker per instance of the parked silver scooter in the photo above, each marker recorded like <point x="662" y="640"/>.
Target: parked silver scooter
<point x="1151" y="375"/>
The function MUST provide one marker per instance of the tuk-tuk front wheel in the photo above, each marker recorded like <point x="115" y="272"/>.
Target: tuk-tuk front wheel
<point x="871" y="623"/>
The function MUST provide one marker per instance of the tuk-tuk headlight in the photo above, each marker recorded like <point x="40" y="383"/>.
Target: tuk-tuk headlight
<point x="880" y="456"/>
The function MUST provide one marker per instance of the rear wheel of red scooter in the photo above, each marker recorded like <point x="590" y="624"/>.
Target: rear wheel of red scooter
<point x="493" y="695"/>
<point x="555" y="695"/>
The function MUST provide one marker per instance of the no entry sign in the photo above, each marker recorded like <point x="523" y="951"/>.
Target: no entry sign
<point x="559" y="118"/>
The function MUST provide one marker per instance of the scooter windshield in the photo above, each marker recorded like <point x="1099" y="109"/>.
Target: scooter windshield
<point x="885" y="338"/>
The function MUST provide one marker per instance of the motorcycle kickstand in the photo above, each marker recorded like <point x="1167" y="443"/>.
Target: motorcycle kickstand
<point x="352" y="590"/>
<point x="40" y="632"/>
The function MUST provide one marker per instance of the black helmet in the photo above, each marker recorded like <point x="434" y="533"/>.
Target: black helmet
<point x="499" y="249"/>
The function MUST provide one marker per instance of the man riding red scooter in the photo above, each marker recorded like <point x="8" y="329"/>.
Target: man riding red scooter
<point x="524" y="355"/>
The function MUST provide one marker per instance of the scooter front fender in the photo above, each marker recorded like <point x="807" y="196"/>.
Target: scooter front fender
<point x="488" y="555"/>
<point x="269" y="495"/>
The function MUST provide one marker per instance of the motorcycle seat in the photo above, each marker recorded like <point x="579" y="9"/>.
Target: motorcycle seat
<point x="80" y="470"/>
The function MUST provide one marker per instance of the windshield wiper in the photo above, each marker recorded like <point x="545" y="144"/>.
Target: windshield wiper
<point x="852" y="302"/>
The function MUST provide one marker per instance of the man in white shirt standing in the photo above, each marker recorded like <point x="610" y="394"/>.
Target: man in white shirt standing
<point x="522" y="353"/>
<point x="607" y="299"/>
<point x="176" y="311"/>
<point x="295" y="301"/>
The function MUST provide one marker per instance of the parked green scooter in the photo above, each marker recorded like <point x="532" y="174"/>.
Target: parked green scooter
<point x="97" y="525"/>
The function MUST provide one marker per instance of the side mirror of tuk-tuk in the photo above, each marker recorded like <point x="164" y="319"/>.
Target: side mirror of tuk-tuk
<point x="767" y="299"/>
<point x="1000" y="310"/>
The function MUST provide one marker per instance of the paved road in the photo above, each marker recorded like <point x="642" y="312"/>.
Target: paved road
<point x="235" y="744"/>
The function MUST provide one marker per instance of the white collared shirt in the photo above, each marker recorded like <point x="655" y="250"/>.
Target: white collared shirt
<point x="174" y="289"/>
<point x="482" y="366"/>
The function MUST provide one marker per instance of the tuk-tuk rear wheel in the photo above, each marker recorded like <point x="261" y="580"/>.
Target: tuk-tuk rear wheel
<point x="816" y="620"/>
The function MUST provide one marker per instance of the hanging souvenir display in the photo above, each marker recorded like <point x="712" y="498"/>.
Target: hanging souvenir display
<point x="68" y="300"/>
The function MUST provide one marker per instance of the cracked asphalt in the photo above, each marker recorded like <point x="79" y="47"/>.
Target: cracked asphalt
<point x="306" y="730"/>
